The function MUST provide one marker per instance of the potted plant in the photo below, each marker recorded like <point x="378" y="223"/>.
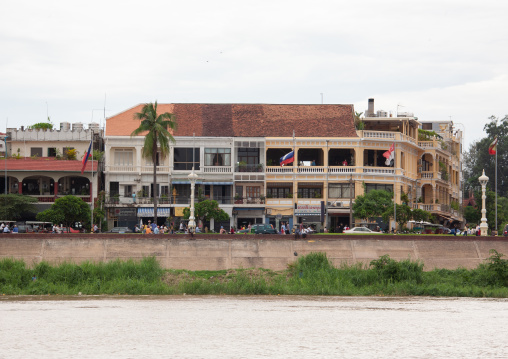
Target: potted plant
<point x="238" y="199"/>
<point x="242" y="166"/>
<point x="289" y="195"/>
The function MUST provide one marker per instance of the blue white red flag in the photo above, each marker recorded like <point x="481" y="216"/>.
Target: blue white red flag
<point x="288" y="158"/>
<point x="85" y="158"/>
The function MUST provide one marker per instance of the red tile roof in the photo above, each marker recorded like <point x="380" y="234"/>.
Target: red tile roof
<point x="46" y="164"/>
<point x="247" y="120"/>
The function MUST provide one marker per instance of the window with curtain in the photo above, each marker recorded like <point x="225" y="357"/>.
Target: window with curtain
<point x="340" y="190"/>
<point x="217" y="157"/>
<point x="123" y="157"/>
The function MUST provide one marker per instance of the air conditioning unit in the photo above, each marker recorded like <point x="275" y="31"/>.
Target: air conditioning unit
<point x="338" y="204"/>
<point x="329" y="204"/>
<point x="268" y="211"/>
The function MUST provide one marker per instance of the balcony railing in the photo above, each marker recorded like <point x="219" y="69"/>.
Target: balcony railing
<point x="249" y="200"/>
<point x="341" y="169"/>
<point x="217" y="169"/>
<point x="279" y="169"/>
<point x="381" y="170"/>
<point x="311" y="169"/>
<point x="249" y="168"/>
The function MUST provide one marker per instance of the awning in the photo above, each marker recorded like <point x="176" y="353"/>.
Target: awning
<point x="148" y="212"/>
<point x="248" y="209"/>
<point x="338" y="210"/>
<point x="218" y="183"/>
<point x="183" y="181"/>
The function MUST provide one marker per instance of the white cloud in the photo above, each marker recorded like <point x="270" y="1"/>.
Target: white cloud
<point x="438" y="58"/>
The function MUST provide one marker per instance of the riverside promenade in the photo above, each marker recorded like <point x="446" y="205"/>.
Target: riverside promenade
<point x="218" y="252"/>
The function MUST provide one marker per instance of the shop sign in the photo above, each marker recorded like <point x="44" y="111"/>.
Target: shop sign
<point x="308" y="209"/>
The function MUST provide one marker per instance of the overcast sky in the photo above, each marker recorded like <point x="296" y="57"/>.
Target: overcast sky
<point x="441" y="59"/>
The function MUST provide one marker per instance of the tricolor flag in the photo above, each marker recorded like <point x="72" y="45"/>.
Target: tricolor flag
<point x="493" y="147"/>
<point x="289" y="158"/>
<point x="85" y="158"/>
<point x="390" y="155"/>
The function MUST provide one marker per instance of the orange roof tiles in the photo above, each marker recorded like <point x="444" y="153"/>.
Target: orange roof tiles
<point x="47" y="164"/>
<point x="247" y="120"/>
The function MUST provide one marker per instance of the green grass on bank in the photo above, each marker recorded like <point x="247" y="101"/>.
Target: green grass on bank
<point x="309" y="275"/>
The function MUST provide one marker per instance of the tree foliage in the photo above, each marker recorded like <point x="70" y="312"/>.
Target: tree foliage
<point x="473" y="214"/>
<point x="404" y="214"/>
<point x="13" y="206"/>
<point x="477" y="158"/>
<point x="157" y="138"/>
<point x="372" y="204"/>
<point x="207" y="209"/>
<point x="67" y="210"/>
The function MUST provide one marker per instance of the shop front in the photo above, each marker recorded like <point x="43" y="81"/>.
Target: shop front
<point x="310" y="213"/>
<point x="278" y="216"/>
<point x="242" y="217"/>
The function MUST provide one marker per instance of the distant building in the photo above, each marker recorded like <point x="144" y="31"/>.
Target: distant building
<point x="235" y="150"/>
<point x="38" y="163"/>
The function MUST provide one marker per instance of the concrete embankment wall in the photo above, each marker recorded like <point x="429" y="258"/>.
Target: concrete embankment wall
<point x="213" y="252"/>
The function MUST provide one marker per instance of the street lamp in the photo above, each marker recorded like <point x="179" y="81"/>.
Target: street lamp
<point x="5" y="159"/>
<point x="483" y="226"/>
<point x="192" y="220"/>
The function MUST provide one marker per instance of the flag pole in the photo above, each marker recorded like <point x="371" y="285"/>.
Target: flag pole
<point x="496" y="190"/>
<point x="394" y="185"/>
<point x="91" y="183"/>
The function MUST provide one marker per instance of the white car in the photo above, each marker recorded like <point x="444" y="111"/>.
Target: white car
<point x="360" y="230"/>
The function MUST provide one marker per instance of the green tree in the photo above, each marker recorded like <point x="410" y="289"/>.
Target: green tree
<point x="404" y="214"/>
<point x="42" y="125"/>
<point x="474" y="214"/>
<point x="157" y="139"/>
<point x="372" y="204"/>
<point x="67" y="210"/>
<point x="207" y="209"/>
<point x="478" y="158"/>
<point x="420" y="215"/>
<point x="14" y="206"/>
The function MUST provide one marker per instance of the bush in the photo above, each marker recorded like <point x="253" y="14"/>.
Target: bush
<point x="390" y="270"/>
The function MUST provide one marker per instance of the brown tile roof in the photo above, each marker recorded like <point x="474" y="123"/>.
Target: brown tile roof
<point x="247" y="120"/>
<point x="46" y="164"/>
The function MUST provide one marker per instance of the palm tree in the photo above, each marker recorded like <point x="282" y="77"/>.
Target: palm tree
<point x="156" y="140"/>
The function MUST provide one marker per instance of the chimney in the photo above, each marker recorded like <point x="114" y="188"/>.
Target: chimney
<point x="370" y="110"/>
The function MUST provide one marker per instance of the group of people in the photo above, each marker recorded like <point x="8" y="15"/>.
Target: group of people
<point x="153" y="228"/>
<point x="4" y="228"/>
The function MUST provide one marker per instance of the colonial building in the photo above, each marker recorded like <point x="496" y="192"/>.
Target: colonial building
<point x="235" y="150"/>
<point x="47" y="164"/>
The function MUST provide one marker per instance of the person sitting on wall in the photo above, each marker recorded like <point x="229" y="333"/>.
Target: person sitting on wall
<point x="232" y="231"/>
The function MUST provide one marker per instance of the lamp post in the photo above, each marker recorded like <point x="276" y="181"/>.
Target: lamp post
<point x="483" y="226"/>
<point x="5" y="159"/>
<point x="192" y="220"/>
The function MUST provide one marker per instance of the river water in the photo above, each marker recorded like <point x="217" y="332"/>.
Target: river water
<point x="252" y="327"/>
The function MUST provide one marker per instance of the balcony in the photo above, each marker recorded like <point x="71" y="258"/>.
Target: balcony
<point x="142" y="169"/>
<point x="249" y="200"/>
<point x="218" y="169"/>
<point x="379" y="170"/>
<point x="249" y="168"/>
<point x="386" y="135"/>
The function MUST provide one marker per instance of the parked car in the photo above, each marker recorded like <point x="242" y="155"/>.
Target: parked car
<point x="259" y="229"/>
<point x="23" y="228"/>
<point x="120" y="230"/>
<point x="360" y="230"/>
